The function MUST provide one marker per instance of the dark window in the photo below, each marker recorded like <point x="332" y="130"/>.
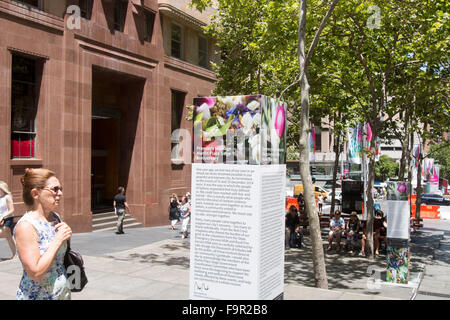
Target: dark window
<point x="318" y="136"/>
<point x="23" y="107"/>
<point x="34" y="3"/>
<point x="149" y="22"/>
<point x="177" y="108"/>
<point x="203" y="52"/>
<point x="177" y="114"/>
<point x="120" y="13"/>
<point x="176" y="41"/>
<point x="86" y="8"/>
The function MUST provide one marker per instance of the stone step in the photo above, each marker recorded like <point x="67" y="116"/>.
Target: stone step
<point x="108" y="221"/>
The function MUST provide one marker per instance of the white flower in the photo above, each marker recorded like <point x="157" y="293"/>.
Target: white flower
<point x="255" y="145"/>
<point x="240" y="147"/>
<point x="230" y="101"/>
<point x="204" y="108"/>
<point x="247" y="123"/>
<point x="253" y="105"/>
<point x="257" y="119"/>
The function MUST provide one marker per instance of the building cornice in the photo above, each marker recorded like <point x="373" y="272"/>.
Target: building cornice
<point x="31" y="14"/>
<point x="189" y="68"/>
<point x="180" y="15"/>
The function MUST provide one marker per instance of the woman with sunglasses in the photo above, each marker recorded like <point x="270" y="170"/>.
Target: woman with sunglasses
<point x="41" y="239"/>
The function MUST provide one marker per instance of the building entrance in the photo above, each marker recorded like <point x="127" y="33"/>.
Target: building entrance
<point x="104" y="162"/>
<point x="116" y="100"/>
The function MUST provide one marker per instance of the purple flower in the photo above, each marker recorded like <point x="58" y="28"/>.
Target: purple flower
<point x="237" y="110"/>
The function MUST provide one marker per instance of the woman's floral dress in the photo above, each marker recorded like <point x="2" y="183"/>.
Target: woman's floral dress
<point x="54" y="284"/>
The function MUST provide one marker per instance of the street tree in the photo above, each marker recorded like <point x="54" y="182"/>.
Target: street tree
<point x="385" y="168"/>
<point x="263" y="46"/>
<point x="381" y="39"/>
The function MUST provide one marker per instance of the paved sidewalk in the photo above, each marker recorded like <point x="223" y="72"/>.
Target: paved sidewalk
<point x="436" y="281"/>
<point x="153" y="263"/>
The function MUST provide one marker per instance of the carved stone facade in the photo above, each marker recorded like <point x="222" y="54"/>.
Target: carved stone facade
<point x="104" y="101"/>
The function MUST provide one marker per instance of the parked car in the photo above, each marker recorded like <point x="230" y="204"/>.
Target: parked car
<point x="329" y="186"/>
<point x="434" y="199"/>
<point x="298" y="188"/>
<point x="337" y="197"/>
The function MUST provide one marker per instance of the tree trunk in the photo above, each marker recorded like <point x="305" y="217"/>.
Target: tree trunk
<point x="410" y="168"/>
<point x="403" y="159"/>
<point x="370" y="202"/>
<point x="405" y="147"/>
<point x="336" y="165"/>
<point x="320" y="273"/>
<point x="419" y="182"/>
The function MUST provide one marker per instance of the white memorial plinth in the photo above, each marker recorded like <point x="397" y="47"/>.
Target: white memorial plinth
<point x="237" y="231"/>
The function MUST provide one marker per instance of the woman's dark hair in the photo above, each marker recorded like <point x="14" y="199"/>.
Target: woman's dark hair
<point x="379" y="213"/>
<point x="34" y="179"/>
<point x="337" y="212"/>
<point x="292" y="209"/>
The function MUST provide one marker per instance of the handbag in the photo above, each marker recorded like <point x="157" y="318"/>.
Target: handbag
<point x="74" y="264"/>
<point x="73" y="261"/>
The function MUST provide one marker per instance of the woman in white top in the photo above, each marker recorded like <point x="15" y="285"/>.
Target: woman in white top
<point x="185" y="211"/>
<point x="320" y="201"/>
<point x="6" y="216"/>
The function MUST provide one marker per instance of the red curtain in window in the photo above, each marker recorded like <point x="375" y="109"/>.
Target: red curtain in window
<point x="22" y="149"/>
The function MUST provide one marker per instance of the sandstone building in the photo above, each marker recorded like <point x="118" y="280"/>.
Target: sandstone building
<point x="96" y="99"/>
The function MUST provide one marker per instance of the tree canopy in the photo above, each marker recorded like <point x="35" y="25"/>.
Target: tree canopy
<point x="386" y="168"/>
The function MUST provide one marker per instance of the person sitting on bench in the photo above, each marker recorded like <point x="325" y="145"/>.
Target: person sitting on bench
<point x="379" y="229"/>
<point x="352" y="229"/>
<point x="292" y="227"/>
<point x="337" y="226"/>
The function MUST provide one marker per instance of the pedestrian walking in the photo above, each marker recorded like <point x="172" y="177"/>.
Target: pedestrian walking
<point x="7" y="216"/>
<point x="188" y="196"/>
<point x="41" y="239"/>
<point x="320" y="202"/>
<point x="174" y="210"/>
<point x="185" y="212"/>
<point x="120" y="205"/>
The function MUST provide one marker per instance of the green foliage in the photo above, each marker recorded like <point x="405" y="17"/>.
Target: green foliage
<point x="441" y="155"/>
<point x="385" y="168"/>
<point x="358" y="72"/>
<point x="258" y="41"/>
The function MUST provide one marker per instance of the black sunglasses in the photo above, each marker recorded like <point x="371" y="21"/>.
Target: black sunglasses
<point x="54" y="189"/>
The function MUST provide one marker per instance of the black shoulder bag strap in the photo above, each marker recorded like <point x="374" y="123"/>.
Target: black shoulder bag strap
<point x="59" y="221"/>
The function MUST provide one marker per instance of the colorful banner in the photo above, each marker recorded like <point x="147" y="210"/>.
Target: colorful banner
<point x="355" y="145"/>
<point x="416" y="154"/>
<point x="434" y="178"/>
<point x="378" y="150"/>
<point x="312" y="144"/>
<point x="427" y="166"/>
<point x="368" y="136"/>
